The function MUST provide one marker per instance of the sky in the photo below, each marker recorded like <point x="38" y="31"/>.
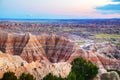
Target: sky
<point x="59" y="9"/>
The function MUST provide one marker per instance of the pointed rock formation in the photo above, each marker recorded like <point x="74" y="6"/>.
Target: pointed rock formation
<point x="31" y="48"/>
<point x="52" y="48"/>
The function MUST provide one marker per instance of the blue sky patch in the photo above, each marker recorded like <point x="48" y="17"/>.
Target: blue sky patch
<point x="112" y="8"/>
<point x="58" y="9"/>
<point x="116" y="0"/>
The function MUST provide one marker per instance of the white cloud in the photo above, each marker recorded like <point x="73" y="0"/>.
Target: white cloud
<point x="67" y="7"/>
<point x="72" y="8"/>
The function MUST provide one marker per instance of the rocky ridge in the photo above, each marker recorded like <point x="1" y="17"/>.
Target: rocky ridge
<point x="39" y="68"/>
<point x="52" y="48"/>
<point x="31" y="48"/>
<point x="42" y="54"/>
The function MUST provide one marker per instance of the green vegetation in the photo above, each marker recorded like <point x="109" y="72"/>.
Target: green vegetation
<point x="71" y="76"/>
<point x="80" y="42"/>
<point x="67" y="29"/>
<point x="26" y="77"/>
<point x="114" y="70"/>
<point x="9" y="76"/>
<point x="81" y="70"/>
<point x="52" y="77"/>
<point x="107" y="36"/>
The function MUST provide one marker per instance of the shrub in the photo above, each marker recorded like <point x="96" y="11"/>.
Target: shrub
<point x="83" y="69"/>
<point x="71" y="76"/>
<point x="52" y="77"/>
<point x="9" y="76"/>
<point x="26" y="77"/>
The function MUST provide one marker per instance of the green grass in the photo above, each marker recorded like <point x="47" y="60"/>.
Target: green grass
<point x="67" y="29"/>
<point x="80" y="42"/>
<point x="107" y="36"/>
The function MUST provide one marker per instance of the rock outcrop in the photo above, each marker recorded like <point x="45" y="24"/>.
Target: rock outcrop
<point x="105" y="54"/>
<point x="31" y="48"/>
<point x="110" y="76"/>
<point x="39" y="68"/>
<point x="53" y="49"/>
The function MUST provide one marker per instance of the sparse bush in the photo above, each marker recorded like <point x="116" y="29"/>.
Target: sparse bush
<point x="71" y="76"/>
<point x="52" y="77"/>
<point x="26" y="77"/>
<point x="81" y="70"/>
<point x="9" y="76"/>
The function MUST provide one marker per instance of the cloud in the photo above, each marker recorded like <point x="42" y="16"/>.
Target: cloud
<point x="56" y="8"/>
<point x="112" y="7"/>
<point x="116" y="0"/>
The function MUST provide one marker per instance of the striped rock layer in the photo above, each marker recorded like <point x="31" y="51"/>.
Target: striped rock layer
<point x="51" y="48"/>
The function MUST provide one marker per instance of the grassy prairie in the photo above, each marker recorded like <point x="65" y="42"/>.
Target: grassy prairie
<point x="107" y="36"/>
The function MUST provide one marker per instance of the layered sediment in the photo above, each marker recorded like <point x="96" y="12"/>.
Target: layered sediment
<point x="54" y="49"/>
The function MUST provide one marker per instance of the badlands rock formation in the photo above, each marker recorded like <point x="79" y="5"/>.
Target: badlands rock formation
<point x="38" y="69"/>
<point x="53" y="49"/>
<point x="101" y="61"/>
<point x="107" y="55"/>
<point x="31" y="48"/>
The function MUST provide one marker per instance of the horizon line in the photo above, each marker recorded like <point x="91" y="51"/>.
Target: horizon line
<point x="52" y="18"/>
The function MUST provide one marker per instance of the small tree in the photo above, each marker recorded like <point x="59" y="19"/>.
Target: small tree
<point x="83" y="69"/>
<point x="9" y="76"/>
<point x="26" y="77"/>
